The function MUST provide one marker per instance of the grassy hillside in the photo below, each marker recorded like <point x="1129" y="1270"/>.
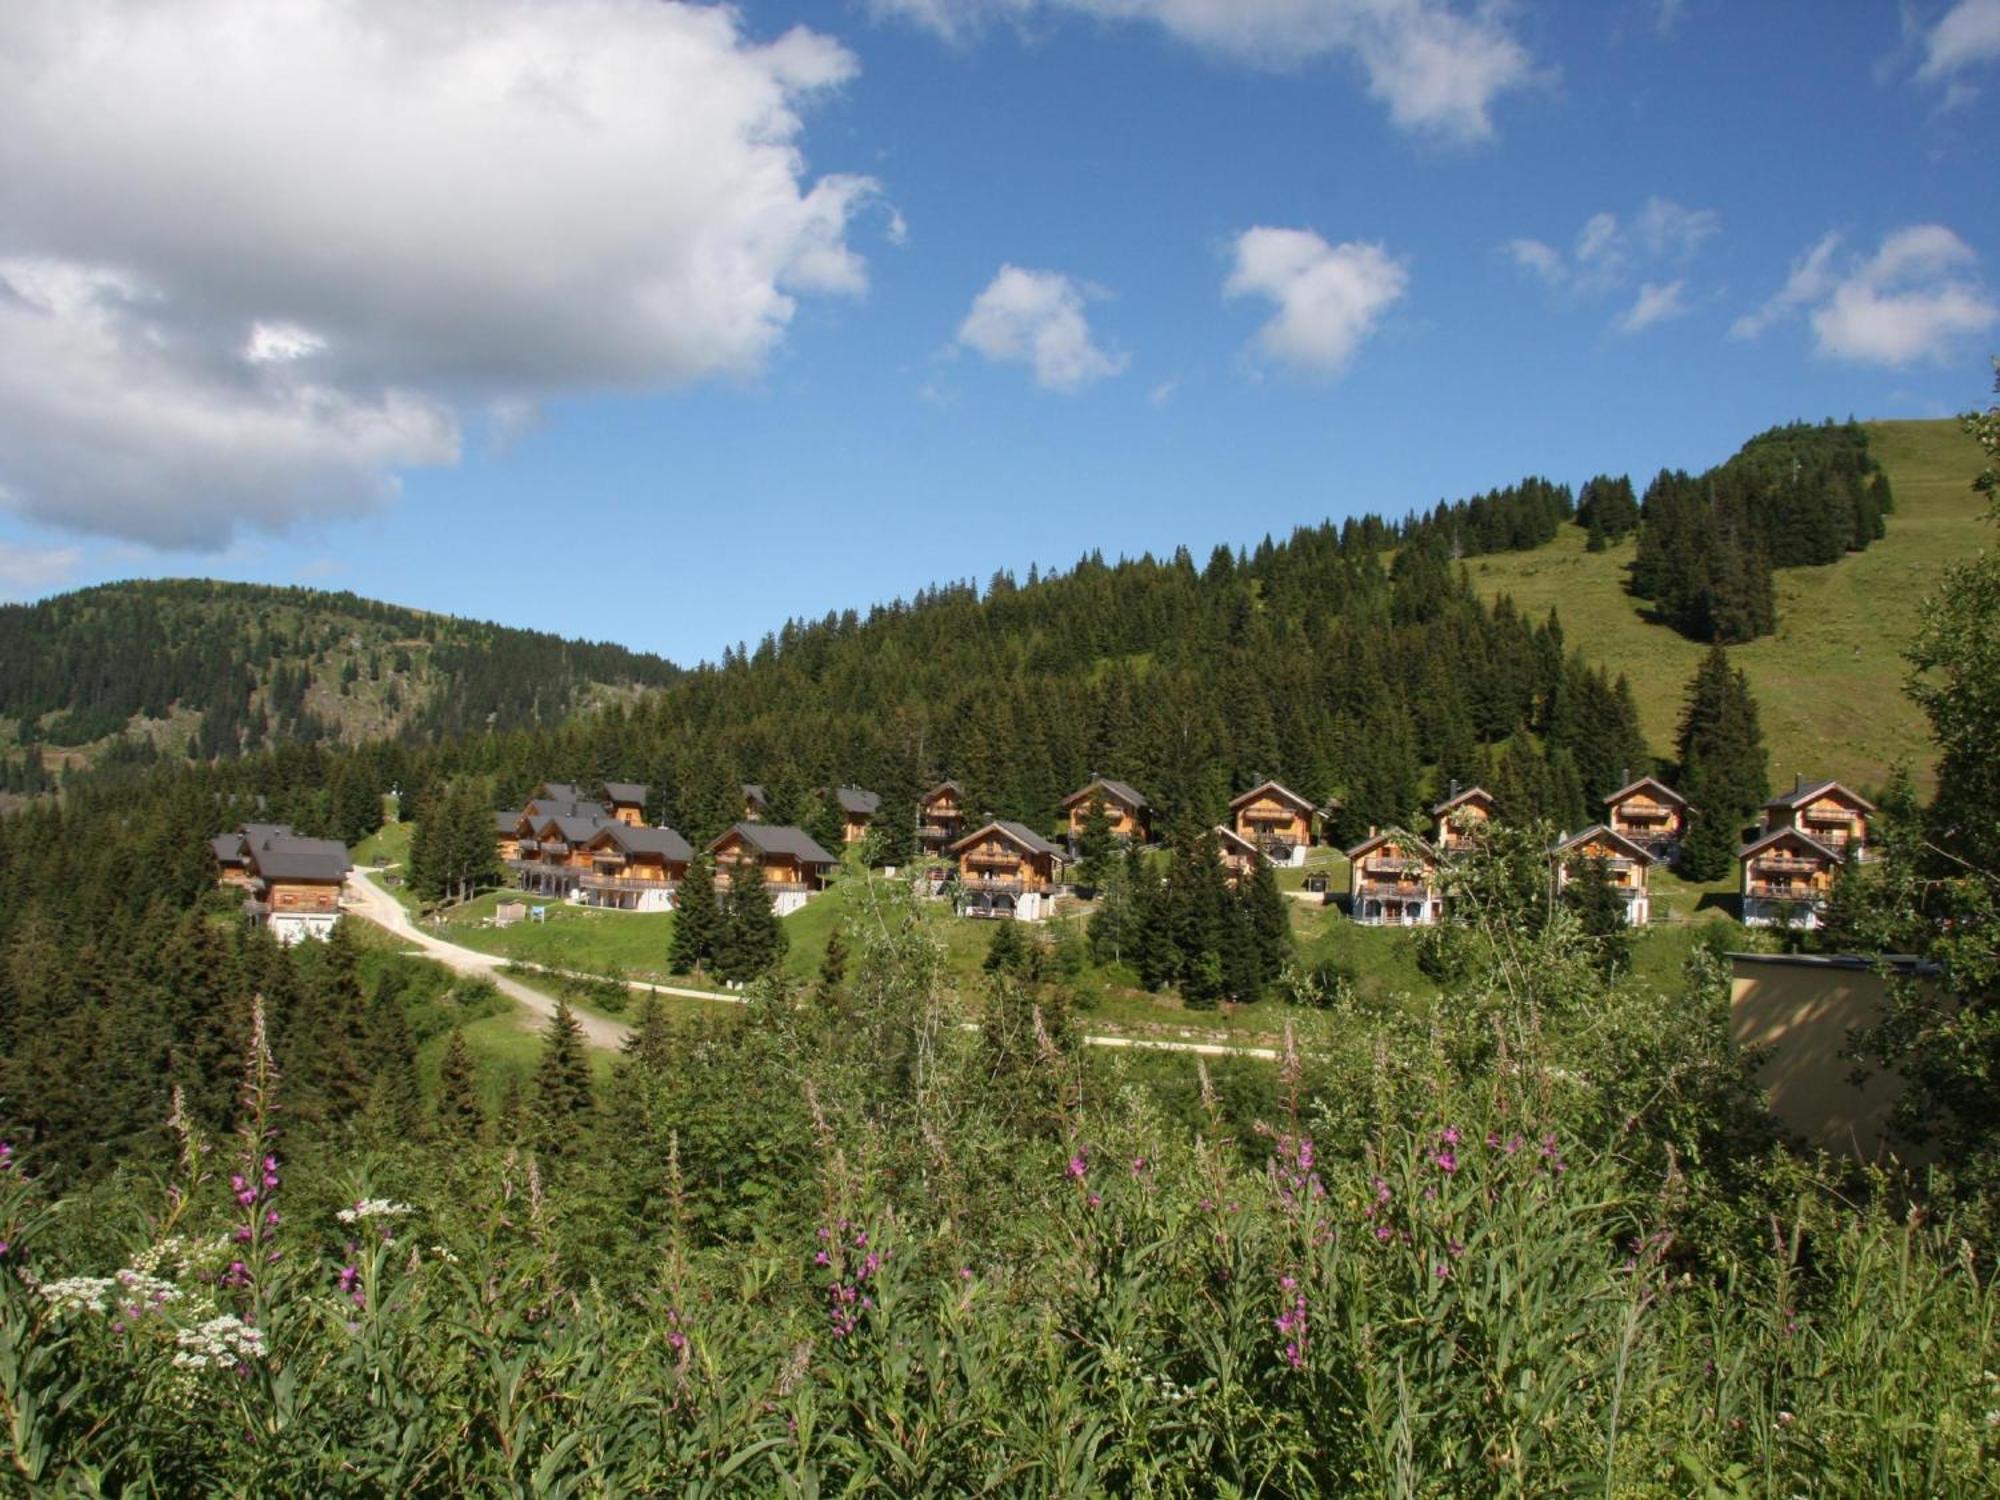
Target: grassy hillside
<point x="1830" y="680"/>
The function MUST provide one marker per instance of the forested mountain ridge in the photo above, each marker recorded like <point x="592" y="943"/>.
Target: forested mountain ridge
<point x="216" y="669"/>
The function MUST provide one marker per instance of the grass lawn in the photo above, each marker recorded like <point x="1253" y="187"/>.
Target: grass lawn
<point x="387" y="845"/>
<point x="1829" y="682"/>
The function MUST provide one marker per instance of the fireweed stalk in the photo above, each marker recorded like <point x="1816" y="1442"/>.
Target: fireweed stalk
<point x="255" y="1182"/>
<point x="1298" y="1195"/>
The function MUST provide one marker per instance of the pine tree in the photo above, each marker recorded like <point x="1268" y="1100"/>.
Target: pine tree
<point x="697" y="919"/>
<point x="651" y="1041"/>
<point x="1724" y="767"/>
<point x="1590" y="893"/>
<point x="562" y="1092"/>
<point x="830" y="989"/>
<point x="752" y="939"/>
<point x="460" y="1116"/>
<point x="1270" y="921"/>
<point x="1095" y="843"/>
<point x="1004" y="951"/>
<point x="395" y="1097"/>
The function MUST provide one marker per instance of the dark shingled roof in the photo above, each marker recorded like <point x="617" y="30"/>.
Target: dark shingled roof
<point x="771" y="838"/>
<point x="1123" y="791"/>
<point x="665" y="842"/>
<point x="1803" y="793"/>
<point x="943" y="786"/>
<point x="630" y="793"/>
<point x="1786" y="833"/>
<point x="1407" y="840"/>
<point x="1020" y="833"/>
<point x="558" y="791"/>
<point x="546" y="807"/>
<point x="1465" y="796"/>
<point x="1647" y="781"/>
<point x="1283" y="792"/>
<point x="854" y="800"/>
<point x="1597" y="830"/>
<point x="286" y="856"/>
<point x="755" y="793"/>
<point x="503" y="822"/>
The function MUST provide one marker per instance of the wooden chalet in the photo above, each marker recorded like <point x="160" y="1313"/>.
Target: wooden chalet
<point x="755" y="803"/>
<point x="633" y="868"/>
<point x="1128" y="809"/>
<point x="291" y="884"/>
<point x="1649" y="813"/>
<point x="1787" y="877"/>
<point x="1626" y="865"/>
<point x="627" y="801"/>
<point x="560" y="797"/>
<point x="507" y="835"/>
<point x="553" y="853"/>
<point x="858" y="810"/>
<point x="1392" y="880"/>
<point x="940" y="816"/>
<point x="1456" y="819"/>
<point x="1276" y="820"/>
<point x="1240" y="856"/>
<point x="1827" y="813"/>
<point x="1007" y="870"/>
<point x="794" y="866"/>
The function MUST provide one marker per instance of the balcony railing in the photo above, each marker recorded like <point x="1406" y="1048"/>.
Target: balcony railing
<point x="624" y="884"/>
<point x="1392" y="863"/>
<point x="1785" y="864"/>
<point x="991" y="885"/>
<point x="1394" y="890"/>
<point x="1764" y="890"/>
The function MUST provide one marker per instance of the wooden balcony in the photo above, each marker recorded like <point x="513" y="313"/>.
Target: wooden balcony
<point x="625" y="885"/>
<point x="1765" y="890"/>
<point x="1784" y="864"/>
<point x="990" y="885"/>
<point x="1393" y="890"/>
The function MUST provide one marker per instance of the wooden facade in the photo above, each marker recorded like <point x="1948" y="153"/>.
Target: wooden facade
<point x="633" y="869"/>
<point x="1007" y="870"/>
<point x="1649" y="813"/>
<point x="1626" y="867"/>
<point x="1828" y="813"/>
<point x="858" y="810"/>
<point x="289" y="883"/>
<point x="1392" y="881"/>
<point x="1275" y="820"/>
<point x="627" y="802"/>
<point x="940" y="816"/>
<point x="1128" y="809"/>
<point x="755" y="803"/>
<point x="794" y="866"/>
<point x="1456" y="820"/>
<point x="1240" y="856"/>
<point x="1787" y="878"/>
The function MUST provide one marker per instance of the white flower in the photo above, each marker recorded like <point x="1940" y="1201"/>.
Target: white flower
<point x="77" y="1293"/>
<point x="220" y="1343"/>
<point x="373" y="1208"/>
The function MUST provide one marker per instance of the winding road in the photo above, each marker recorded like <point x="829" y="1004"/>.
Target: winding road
<point x="369" y="901"/>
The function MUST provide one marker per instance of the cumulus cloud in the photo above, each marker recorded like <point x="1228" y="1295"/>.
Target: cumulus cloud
<point x="1656" y="303"/>
<point x="1811" y="278"/>
<point x="29" y="572"/>
<point x="1609" y="253"/>
<point x="1036" y="318"/>
<point x="1913" y="299"/>
<point x="1966" y="35"/>
<point x="256" y="256"/>
<point x="1438" y="66"/>
<point x="1329" y="298"/>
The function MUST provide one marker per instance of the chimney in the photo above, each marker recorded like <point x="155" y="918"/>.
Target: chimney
<point x="1371" y="830"/>
<point x="1798" y="781"/>
<point x="1625" y="776"/>
<point x="1454" y="789"/>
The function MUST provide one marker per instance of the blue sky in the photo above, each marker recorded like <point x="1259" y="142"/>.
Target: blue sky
<point x="661" y="323"/>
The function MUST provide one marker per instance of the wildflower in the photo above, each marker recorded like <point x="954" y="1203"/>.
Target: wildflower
<point x="220" y="1343"/>
<point x="1078" y="1165"/>
<point x="373" y="1208"/>
<point x="1095" y="1200"/>
<point x="1443" y="1271"/>
<point x="1138" y="1166"/>
<point x="76" y="1293"/>
<point x="1450" y="1136"/>
<point x="1382" y="1233"/>
<point x="1446" y="1161"/>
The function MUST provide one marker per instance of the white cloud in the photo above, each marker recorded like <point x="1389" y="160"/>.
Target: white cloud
<point x="1544" y="260"/>
<point x="1329" y="298"/>
<point x="1609" y="254"/>
<point x="1036" y="318"/>
<point x="443" y="204"/>
<point x="1966" y="35"/>
<point x="1913" y="300"/>
<point x="1656" y="303"/>
<point x="1438" y="66"/>
<point x="1811" y="278"/>
<point x="29" y="572"/>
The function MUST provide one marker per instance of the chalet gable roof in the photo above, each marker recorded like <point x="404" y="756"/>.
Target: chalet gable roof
<point x="1118" y="791"/>
<point x="625" y="793"/>
<point x="557" y="791"/>
<point x="1235" y="840"/>
<point x="752" y="792"/>
<point x="1275" y="789"/>
<point x="665" y="842"/>
<point x="939" y="790"/>
<point x="286" y="856"/>
<point x="853" y="799"/>
<point x="1652" y="784"/>
<point x="1016" y="833"/>
<point x="1395" y="836"/>
<point x="1802" y="793"/>
<point x="771" y="838"/>
<point x="1461" y="799"/>
<point x="1599" y="831"/>
<point x="1777" y="835"/>
<point x="549" y="807"/>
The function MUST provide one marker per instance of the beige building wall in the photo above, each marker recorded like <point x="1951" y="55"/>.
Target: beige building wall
<point x="1799" y="1013"/>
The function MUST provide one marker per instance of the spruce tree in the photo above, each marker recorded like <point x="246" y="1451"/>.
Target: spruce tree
<point x="651" y="1040"/>
<point x="1724" y="767"/>
<point x="1095" y="842"/>
<point x="1269" y="915"/>
<point x="562" y="1091"/>
<point x="697" y="919"/>
<point x="831" y="987"/>
<point x="460" y="1116"/>
<point x="752" y="939"/>
<point x="395" y="1097"/>
<point x="1590" y="893"/>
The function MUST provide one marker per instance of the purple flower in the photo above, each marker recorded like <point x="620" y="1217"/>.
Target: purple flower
<point x="1078" y="1165"/>
<point x="1382" y="1233"/>
<point x="1450" y="1136"/>
<point x="1443" y="1271"/>
<point x="1446" y="1161"/>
